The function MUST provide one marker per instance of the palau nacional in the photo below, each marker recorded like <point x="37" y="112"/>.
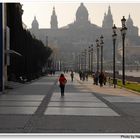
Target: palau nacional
<point x="69" y="41"/>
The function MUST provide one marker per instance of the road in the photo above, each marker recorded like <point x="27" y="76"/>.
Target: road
<point x="38" y="107"/>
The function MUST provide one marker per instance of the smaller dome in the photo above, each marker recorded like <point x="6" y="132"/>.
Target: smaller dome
<point x="129" y="21"/>
<point x="35" y="23"/>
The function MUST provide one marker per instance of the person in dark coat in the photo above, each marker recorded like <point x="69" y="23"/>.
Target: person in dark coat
<point x="105" y="79"/>
<point x="86" y="76"/>
<point x="96" y="77"/>
<point x="62" y="82"/>
<point x="72" y="75"/>
<point x="101" y="79"/>
<point x="80" y="75"/>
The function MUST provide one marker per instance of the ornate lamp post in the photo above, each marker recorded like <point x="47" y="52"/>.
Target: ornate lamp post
<point x="85" y="59"/>
<point x="79" y="62"/>
<point x="123" y="33"/>
<point x="82" y="60"/>
<point x="114" y="36"/>
<point x="97" y="45"/>
<point x="101" y="44"/>
<point x="91" y="57"/>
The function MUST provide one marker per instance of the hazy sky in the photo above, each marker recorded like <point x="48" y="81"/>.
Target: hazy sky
<point x="66" y="12"/>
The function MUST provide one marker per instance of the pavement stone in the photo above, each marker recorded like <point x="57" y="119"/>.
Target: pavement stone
<point x="84" y="124"/>
<point x="19" y="105"/>
<point x="42" y="96"/>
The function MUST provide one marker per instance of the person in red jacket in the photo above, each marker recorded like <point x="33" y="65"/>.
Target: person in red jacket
<point x="62" y="82"/>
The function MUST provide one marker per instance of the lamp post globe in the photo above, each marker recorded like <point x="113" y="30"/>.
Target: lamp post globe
<point x="123" y="20"/>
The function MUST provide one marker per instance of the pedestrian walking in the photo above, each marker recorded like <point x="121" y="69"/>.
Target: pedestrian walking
<point x="96" y="77"/>
<point x="109" y="81"/>
<point x="80" y="75"/>
<point x="86" y="76"/>
<point x="101" y="79"/>
<point x="105" y="79"/>
<point x="72" y="75"/>
<point x="83" y="76"/>
<point x="62" y="82"/>
<point x="93" y="76"/>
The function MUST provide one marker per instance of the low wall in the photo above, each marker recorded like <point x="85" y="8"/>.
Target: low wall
<point x="127" y="78"/>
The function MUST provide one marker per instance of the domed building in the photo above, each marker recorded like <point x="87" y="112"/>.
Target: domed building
<point x="77" y="36"/>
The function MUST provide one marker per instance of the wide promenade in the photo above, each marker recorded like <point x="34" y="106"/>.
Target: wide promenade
<point x="37" y="107"/>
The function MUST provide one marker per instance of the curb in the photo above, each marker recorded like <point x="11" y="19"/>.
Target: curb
<point x="135" y="92"/>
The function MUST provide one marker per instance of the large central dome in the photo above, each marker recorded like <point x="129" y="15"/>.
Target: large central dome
<point x="82" y="13"/>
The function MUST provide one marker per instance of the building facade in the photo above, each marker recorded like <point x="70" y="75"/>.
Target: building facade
<point x="70" y="40"/>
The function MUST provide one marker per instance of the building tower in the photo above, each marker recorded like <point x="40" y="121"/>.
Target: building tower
<point x="54" y="23"/>
<point x="104" y="20"/>
<point x="35" y="24"/>
<point x="108" y="19"/>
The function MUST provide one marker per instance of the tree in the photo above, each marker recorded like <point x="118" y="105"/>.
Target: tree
<point x="34" y="53"/>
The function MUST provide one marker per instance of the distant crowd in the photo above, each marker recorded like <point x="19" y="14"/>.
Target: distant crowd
<point x="98" y="77"/>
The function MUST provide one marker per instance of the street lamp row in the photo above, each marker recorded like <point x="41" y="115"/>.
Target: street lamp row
<point x="86" y="59"/>
<point x="114" y="37"/>
<point x="100" y="45"/>
<point x="90" y="58"/>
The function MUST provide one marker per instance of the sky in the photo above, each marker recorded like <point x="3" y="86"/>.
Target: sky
<point x="66" y="10"/>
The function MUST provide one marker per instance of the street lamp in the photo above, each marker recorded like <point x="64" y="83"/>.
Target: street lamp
<point x="101" y="44"/>
<point x="114" y="36"/>
<point x="85" y="60"/>
<point x="97" y="45"/>
<point x="91" y="57"/>
<point x="123" y="33"/>
<point x="79" y="62"/>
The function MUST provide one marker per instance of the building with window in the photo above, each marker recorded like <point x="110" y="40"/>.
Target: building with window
<point x="80" y="34"/>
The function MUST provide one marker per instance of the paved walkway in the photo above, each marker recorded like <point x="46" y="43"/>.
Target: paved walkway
<point x="89" y="100"/>
<point x="87" y="108"/>
<point x="107" y="90"/>
<point x="82" y="103"/>
<point x="26" y="99"/>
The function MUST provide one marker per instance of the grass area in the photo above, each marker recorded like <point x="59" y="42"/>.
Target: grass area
<point x="130" y="85"/>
